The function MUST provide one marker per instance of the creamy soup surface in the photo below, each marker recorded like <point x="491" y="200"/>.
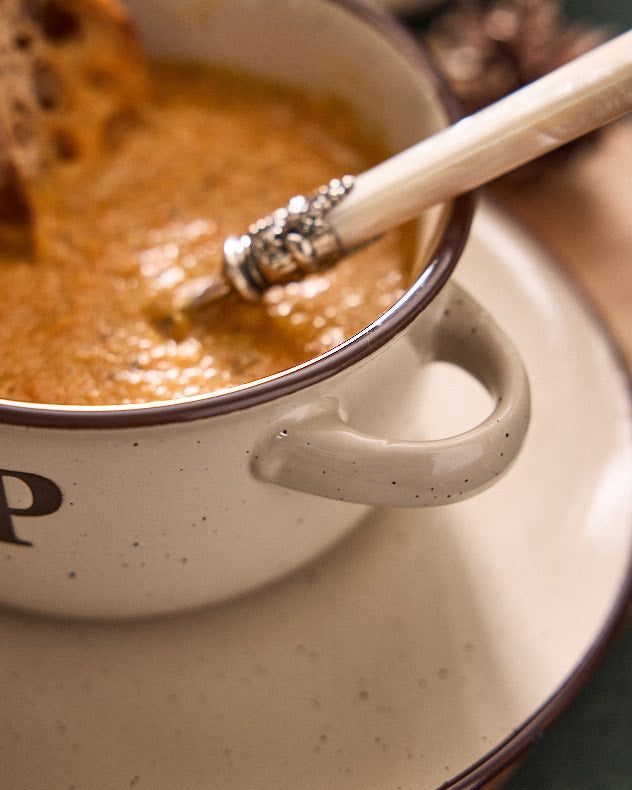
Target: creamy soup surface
<point x="78" y="322"/>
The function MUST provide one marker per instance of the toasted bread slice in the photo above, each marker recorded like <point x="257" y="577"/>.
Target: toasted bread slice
<point x="72" y="80"/>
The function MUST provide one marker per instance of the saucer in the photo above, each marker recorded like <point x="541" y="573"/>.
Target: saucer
<point x="426" y="650"/>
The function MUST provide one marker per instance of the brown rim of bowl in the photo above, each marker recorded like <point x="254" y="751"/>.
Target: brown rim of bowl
<point x="439" y="268"/>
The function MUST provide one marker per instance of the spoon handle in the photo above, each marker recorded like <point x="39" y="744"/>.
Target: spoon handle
<point x="567" y="103"/>
<point x="311" y="235"/>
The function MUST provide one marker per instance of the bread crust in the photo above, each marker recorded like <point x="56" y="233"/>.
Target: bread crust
<point x="72" y="81"/>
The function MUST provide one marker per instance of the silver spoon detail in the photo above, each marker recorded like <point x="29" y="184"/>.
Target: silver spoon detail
<point x="312" y="233"/>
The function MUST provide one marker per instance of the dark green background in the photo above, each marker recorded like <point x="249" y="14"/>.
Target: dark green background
<point x="617" y="13"/>
<point x="590" y="746"/>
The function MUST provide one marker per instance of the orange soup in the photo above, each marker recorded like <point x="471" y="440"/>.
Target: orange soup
<point x="215" y="153"/>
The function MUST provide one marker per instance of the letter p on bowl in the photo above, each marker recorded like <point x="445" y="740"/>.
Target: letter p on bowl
<point x="46" y="498"/>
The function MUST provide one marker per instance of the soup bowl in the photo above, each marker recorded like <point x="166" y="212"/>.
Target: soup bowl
<point x="138" y="510"/>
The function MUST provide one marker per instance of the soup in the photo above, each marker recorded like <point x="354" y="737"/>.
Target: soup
<point x="216" y="151"/>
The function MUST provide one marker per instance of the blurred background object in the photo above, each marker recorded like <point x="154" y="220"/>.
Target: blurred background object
<point x="489" y="48"/>
<point x="618" y="12"/>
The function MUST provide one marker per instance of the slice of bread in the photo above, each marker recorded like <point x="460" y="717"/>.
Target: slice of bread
<point x="16" y="211"/>
<point x="72" y="81"/>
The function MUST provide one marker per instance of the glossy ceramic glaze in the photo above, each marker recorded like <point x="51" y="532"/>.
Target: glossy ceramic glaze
<point x="426" y="650"/>
<point x="143" y="510"/>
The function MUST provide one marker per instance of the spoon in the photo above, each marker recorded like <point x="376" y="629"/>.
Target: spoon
<point x="312" y="233"/>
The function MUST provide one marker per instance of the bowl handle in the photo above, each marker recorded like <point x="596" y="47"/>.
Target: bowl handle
<point x="317" y="452"/>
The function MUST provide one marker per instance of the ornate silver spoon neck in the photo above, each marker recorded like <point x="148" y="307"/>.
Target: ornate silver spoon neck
<point x="288" y="244"/>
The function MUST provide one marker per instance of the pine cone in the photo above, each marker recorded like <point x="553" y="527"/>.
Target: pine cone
<point x="486" y="50"/>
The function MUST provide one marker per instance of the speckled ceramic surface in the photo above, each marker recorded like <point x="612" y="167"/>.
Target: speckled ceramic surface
<point x="416" y="652"/>
<point x="146" y="509"/>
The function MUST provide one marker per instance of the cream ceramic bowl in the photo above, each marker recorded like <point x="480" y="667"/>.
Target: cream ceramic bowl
<point x="143" y="510"/>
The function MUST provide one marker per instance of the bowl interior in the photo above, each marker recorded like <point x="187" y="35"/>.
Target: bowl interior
<point x="337" y="48"/>
<point x="325" y="47"/>
<point x="328" y="48"/>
